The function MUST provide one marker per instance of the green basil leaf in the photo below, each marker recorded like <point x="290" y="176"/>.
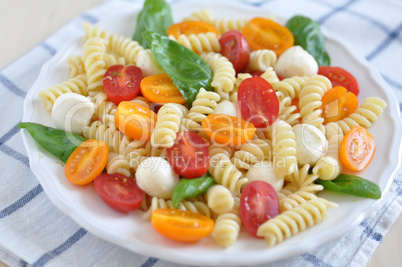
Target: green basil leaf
<point x="187" y="70"/>
<point x="155" y="16"/>
<point x="187" y="188"/>
<point x="352" y="185"/>
<point x="307" y="33"/>
<point x="58" y="142"/>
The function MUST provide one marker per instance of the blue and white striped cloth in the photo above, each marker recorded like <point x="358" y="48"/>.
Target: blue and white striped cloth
<point x="34" y="232"/>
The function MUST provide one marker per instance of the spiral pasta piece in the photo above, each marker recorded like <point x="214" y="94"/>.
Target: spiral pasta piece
<point x="91" y="31"/>
<point x="219" y="199"/>
<point x="261" y="60"/>
<point x="104" y="132"/>
<point x="142" y="101"/>
<point x="203" y="105"/>
<point x="223" y="73"/>
<point x="284" y="147"/>
<point x="250" y="153"/>
<point x="168" y="124"/>
<point x="295" y="199"/>
<point x="287" y="111"/>
<point x="240" y="77"/>
<point x="227" y="226"/>
<point x="111" y="60"/>
<point x="75" y="66"/>
<point x="202" y="15"/>
<point x="365" y="115"/>
<point x="270" y="76"/>
<point x="117" y="163"/>
<point x="124" y="47"/>
<point x="310" y="100"/>
<point x="104" y="109"/>
<point x="290" y="87"/>
<point x="202" y="42"/>
<point x="293" y="221"/>
<point x="301" y="178"/>
<point x="76" y="85"/>
<point x="93" y="58"/>
<point x="160" y="203"/>
<point x="224" y="25"/>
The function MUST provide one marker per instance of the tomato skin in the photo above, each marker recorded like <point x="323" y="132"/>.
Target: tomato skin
<point x="189" y="155"/>
<point x="191" y="27"/>
<point x="181" y="225"/>
<point x="340" y="77"/>
<point x="135" y="120"/>
<point x="258" y="203"/>
<point x="86" y="162"/>
<point x="119" y="191"/>
<point x="235" y="47"/>
<point x="357" y="149"/>
<point x="160" y="89"/>
<point x="258" y="102"/>
<point x="122" y="83"/>
<point x="337" y="104"/>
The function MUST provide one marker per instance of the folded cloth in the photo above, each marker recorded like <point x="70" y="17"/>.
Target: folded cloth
<point x="34" y="232"/>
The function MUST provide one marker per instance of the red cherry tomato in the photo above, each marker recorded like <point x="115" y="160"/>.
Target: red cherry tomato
<point x="189" y="155"/>
<point x="122" y="83"/>
<point x="258" y="203"/>
<point x="235" y="47"/>
<point x="119" y="191"/>
<point x="340" y="77"/>
<point x="258" y="102"/>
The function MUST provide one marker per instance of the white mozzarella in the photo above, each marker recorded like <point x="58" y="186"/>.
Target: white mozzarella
<point x="227" y="108"/>
<point x="296" y="61"/>
<point x="147" y="63"/>
<point x="265" y="171"/>
<point x="156" y="177"/>
<point x="71" y="112"/>
<point x="311" y="144"/>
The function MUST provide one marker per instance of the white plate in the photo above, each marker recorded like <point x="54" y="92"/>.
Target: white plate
<point x="132" y="232"/>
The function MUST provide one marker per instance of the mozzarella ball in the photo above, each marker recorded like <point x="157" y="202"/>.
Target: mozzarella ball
<point x="156" y="177"/>
<point x="147" y="63"/>
<point x="265" y="171"/>
<point x="227" y="108"/>
<point x="71" y="112"/>
<point x="296" y="61"/>
<point x="311" y="144"/>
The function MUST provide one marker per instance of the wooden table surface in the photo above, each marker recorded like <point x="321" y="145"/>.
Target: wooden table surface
<point x="25" y="24"/>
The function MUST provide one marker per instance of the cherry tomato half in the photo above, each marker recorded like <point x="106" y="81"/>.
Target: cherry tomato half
<point x="119" y="191"/>
<point x="189" y="155"/>
<point x="357" y="149"/>
<point x="235" y="47"/>
<point x="135" y="120"/>
<point x="258" y="102"/>
<point x="161" y="89"/>
<point x="86" y="162"/>
<point x="266" y="34"/>
<point x="338" y="103"/>
<point x="122" y="83"/>
<point x="258" y="203"/>
<point x="340" y="77"/>
<point x="181" y="225"/>
<point x="191" y="27"/>
<point x="229" y="130"/>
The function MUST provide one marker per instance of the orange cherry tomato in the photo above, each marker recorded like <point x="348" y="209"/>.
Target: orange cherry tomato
<point x="160" y="89"/>
<point x="181" y="225"/>
<point x="191" y="27"/>
<point x="266" y="34"/>
<point x="229" y="130"/>
<point x="135" y="120"/>
<point x="357" y="148"/>
<point x="338" y="103"/>
<point x="86" y="162"/>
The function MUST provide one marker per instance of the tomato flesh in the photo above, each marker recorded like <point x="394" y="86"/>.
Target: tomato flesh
<point x="86" y="162"/>
<point x="258" y="102"/>
<point x="189" y="155"/>
<point x="122" y="83"/>
<point x="340" y="77"/>
<point x="119" y="191"/>
<point x="357" y="148"/>
<point x="337" y="104"/>
<point x="235" y="47"/>
<point x="258" y="203"/>
<point x="135" y="120"/>
<point x="181" y="225"/>
<point x="161" y="89"/>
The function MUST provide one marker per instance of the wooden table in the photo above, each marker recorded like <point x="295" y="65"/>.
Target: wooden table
<point x="25" y="24"/>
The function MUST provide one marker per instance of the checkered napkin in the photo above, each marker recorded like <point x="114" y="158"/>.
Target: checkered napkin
<point x="34" y="232"/>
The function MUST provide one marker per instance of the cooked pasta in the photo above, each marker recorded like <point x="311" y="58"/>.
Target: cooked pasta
<point x="302" y="179"/>
<point x="223" y="25"/>
<point x="287" y="111"/>
<point x="290" y="87"/>
<point x="240" y="77"/>
<point x="261" y="60"/>
<point x="104" y="109"/>
<point x="219" y="199"/>
<point x="295" y="220"/>
<point x="117" y="163"/>
<point x="91" y="31"/>
<point x="203" y="15"/>
<point x="95" y="66"/>
<point x="202" y="42"/>
<point x="270" y="76"/>
<point x="203" y="105"/>
<point x="295" y="199"/>
<point x="124" y="47"/>
<point x="75" y="66"/>
<point x="250" y="153"/>
<point x="111" y="60"/>
<point x="76" y="85"/>
<point x="284" y="147"/>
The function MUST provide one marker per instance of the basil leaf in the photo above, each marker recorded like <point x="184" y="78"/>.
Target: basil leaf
<point x="187" y="70"/>
<point x="155" y="16"/>
<point x="58" y="142"/>
<point x="352" y="185"/>
<point x="307" y="33"/>
<point x="187" y="188"/>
